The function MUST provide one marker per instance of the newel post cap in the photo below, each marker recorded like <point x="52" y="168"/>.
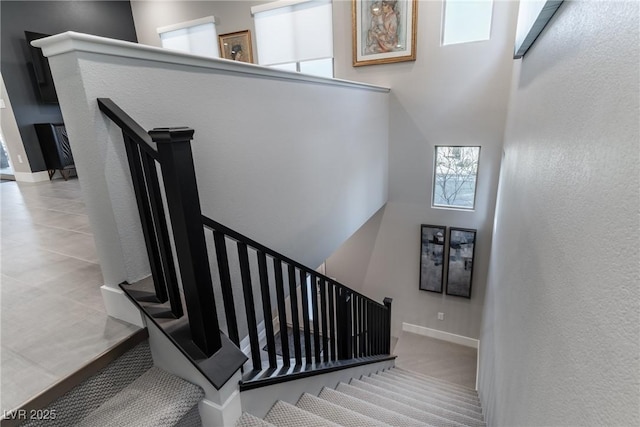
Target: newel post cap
<point x="174" y="134"/>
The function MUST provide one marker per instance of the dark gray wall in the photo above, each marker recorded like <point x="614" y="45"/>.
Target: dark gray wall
<point x="103" y="18"/>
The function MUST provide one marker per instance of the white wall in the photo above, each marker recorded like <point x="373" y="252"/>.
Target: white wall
<point x="450" y="95"/>
<point x="297" y="163"/>
<point x="561" y="327"/>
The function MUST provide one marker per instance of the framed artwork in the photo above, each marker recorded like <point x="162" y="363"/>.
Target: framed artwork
<point x="462" y="246"/>
<point x="431" y="257"/>
<point x="384" y="31"/>
<point x="236" y="46"/>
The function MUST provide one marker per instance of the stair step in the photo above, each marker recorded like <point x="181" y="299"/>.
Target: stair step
<point x="337" y="414"/>
<point x="426" y="377"/>
<point x="398" y="407"/>
<point x="365" y="408"/>
<point x="435" y="382"/>
<point x="422" y="405"/>
<point x="155" y="399"/>
<point x="283" y="414"/>
<point x="471" y="411"/>
<point x="430" y="388"/>
<point x="248" y="420"/>
<point x="432" y="393"/>
<point x="443" y="387"/>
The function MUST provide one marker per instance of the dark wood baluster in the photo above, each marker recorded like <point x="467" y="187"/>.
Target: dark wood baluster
<point x="146" y="217"/>
<point x="387" y="303"/>
<point x="356" y="324"/>
<point x="363" y="328"/>
<point x="348" y="324"/>
<point x="162" y="234"/>
<point x="332" y="322"/>
<point x="249" y="305"/>
<point x="282" y="312"/>
<point x="316" y="321"/>
<point x="370" y="327"/>
<point x="225" y="284"/>
<point x="305" y="317"/>
<point x="323" y="313"/>
<point x="295" y="322"/>
<point x="266" y="308"/>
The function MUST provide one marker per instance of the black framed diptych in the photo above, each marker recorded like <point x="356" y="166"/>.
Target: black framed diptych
<point x="432" y="257"/>
<point x="462" y="245"/>
<point x="453" y="256"/>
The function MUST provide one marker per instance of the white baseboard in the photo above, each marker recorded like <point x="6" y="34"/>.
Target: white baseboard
<point x="31" y="177"/>
<point x="118" y="305"/>
<point x="441" y="335"/>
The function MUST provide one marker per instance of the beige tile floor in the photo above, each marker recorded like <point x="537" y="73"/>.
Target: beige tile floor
<point x="437" y="358"/>
<point x="52" y="318"/>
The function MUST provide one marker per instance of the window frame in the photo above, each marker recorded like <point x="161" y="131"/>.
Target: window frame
<point x="434" y="179"/>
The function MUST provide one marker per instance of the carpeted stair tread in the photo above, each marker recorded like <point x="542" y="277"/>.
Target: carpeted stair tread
<point x="473" y="395"/>
<point x="335" y="413"/>
<point x="369" y="409"/>
<point x="421" y="376"/>
<point x="398" y="407"/>
<point x="427" y="387"/>
<point x="423" y="397"/>
<point x="76" y="404"/>
<point x="155" y="399"/>
<point x="422" y="405"/>
<point x="283" y="414"/>
<point x="441" y="384"/>
<point x="248" y="420"/>
<point x="432" y="393"/>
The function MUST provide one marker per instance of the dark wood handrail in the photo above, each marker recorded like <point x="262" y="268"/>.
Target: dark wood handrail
<point x="128" y="125"/>
<point x="238" y="237"/>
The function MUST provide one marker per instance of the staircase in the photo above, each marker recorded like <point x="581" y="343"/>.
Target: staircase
<point x="130" y="391"/>
<point x="394" y="397"/>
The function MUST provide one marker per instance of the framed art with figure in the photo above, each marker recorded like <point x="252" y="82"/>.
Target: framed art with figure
<point x="384" y="31"/>
<point x="431" y="257"/>
<point x="236" y="46"/>
<point x="462" y="248"/>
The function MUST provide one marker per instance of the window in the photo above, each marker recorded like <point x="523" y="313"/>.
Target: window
<point x="198" y="37"/>
<point x="295" y="35"/>
<point x="466" y="21"/>
<point x="455" y="173"/>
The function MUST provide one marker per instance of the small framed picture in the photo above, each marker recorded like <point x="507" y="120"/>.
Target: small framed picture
<point x="431" y="257"/>
<point x="462" y="246"/>
<point x="236" y="46"/>
<point x="384" y="31"/>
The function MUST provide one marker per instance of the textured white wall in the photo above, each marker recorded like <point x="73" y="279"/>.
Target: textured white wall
<point x="561" y="327"/>
<point x="450" y="95"/>
<point x="298" y="165"/>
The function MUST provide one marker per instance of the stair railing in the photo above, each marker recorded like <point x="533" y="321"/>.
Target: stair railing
<point x="338" y="326"/>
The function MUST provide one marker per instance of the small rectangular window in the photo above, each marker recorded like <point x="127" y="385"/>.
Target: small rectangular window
<point x="466" y="21"/>
<point x="455" y="175"/>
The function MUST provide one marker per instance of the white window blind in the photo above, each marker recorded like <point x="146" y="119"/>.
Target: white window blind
<point x="198" y="37"/>
<point x="293" y="31"/>
<point x="466" y="21"/>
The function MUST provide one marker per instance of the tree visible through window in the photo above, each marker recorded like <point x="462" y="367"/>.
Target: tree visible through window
<point x="456" y="170"/>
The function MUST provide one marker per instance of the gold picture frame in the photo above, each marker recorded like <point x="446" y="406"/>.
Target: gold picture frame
<point x="384" y="31"/>
<point x="236" y="46"/>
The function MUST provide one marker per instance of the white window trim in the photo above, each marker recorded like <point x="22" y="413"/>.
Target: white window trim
<point x="187" y="24"/>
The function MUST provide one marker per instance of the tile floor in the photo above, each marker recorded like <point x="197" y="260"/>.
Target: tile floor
<point x="52" y="318"/>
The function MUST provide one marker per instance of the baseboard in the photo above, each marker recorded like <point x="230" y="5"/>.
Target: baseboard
<point x="31" y="177"/>
<point x="118" y="305"/>
<point x="441" y="335"/>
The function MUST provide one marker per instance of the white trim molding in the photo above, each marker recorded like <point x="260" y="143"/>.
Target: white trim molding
<point x="187" y="24"/>
<point x="71" y="41"/>
<point x="31" y="177"/>
<point x="441" y="335"/>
